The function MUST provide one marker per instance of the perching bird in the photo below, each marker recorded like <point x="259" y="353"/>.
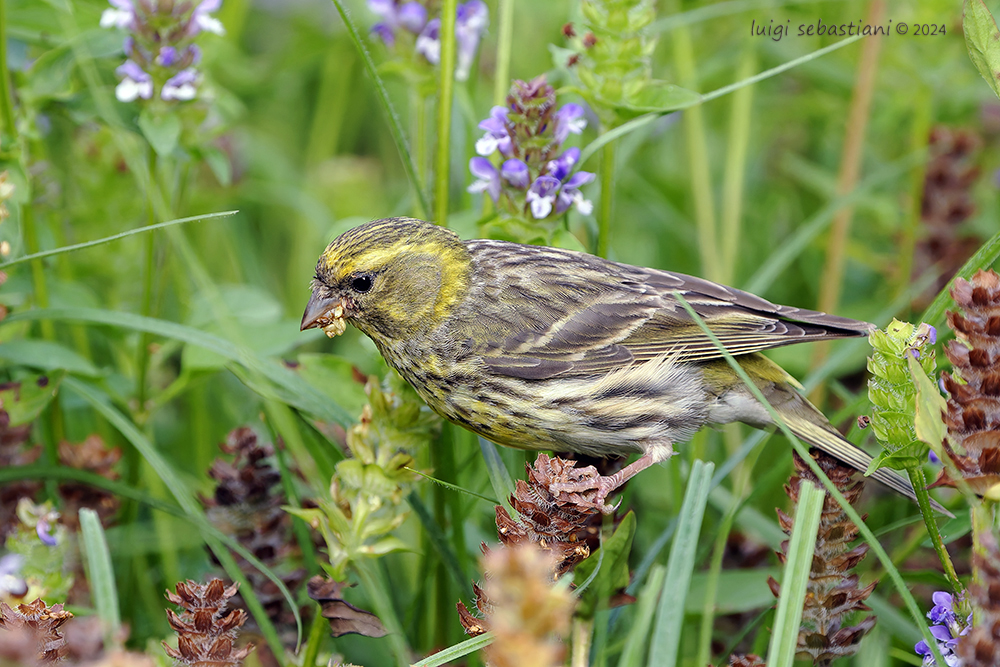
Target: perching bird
<point x="543" y="348"/>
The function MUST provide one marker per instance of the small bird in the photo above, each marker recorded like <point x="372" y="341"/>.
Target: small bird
<point x="542" y="348"/>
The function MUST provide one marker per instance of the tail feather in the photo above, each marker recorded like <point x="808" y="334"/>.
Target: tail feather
<point x="826" y="438"/>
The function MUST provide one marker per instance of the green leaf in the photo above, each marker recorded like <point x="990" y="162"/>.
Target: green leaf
<point x="801" y="547"/>
<point x="47" y="356"/>
<point x="162" y="131"/>
<point x="614" y="568"/>
<point x="24" y="400"/>
<point x="457" y="651"/>
<point x="645" y="608"/>
<point x="931" y="407"/>
<point x="100" y="575"/>
<point x="219" y="163"/>
<point x="983" y="41"/>
<point x="670" y="612"/>
<point x="659" y="97"/>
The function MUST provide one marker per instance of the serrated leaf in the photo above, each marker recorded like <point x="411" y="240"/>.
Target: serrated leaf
<point x="614" y="567"/>
<point x="162" y="131"/>
<point x="982" y="39"/>
<point x="25" y="400"/>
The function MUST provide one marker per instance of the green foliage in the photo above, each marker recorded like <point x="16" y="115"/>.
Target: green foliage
<point x="982" y="38"/>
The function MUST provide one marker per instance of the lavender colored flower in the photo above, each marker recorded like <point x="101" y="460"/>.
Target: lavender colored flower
<point x="542" y="195"/>
<point x="497" y="135"/>
<point x="487" y="175"/>
<point x="201" y="21"/>
<point x="471" y="20"/>
<point x="167" y="57"/>
<point x="562" y="165"/>
<point x="411" y="16"/>
<point x="181" y="87"/>
<point x="135" y="84"/>
<point x="570" y="194"/>
<point x="516" y="173"/>
<point x="569" y="120"/>
<point x="42" y="529"/>
<point x="11" y="583"/>
<point x="429" y="42"/>
<point x="947" y="628"/>
<point x="121" y="15"/>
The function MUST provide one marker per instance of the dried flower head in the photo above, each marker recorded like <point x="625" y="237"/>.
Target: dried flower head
<point x="973" y="416"/>
<point x="206" y="634"/>
<point x="37" y="624"/>
<point x="979" y="646"/>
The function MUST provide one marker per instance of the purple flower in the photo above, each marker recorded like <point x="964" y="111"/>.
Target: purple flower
<point x="569" y="120"/>
<point x="135" y="83"/>
<point x="167" y="57"/>
<point x="946" y="630"/>
<point x="11" y="582"/>
<point x="471" y="21"/>
<point x="570" y="194"/>
<point x="933" y="458"/>
<point x="515" y="173"/>
<point x="497" y="136"/>
<point x="181" y="87"/>
<point x="489" y="177"/>
<point x="412" y="16"/>
<point x="429" y="42"/>
<point x="42" y="529"/>
<point x="385" y="33"/>
<point x="931" y="334"/>
<point x="201" y="21"/>
<point x="121" y="15"/>
<point x="562" y="165"/>
<point x="541" y="196"/>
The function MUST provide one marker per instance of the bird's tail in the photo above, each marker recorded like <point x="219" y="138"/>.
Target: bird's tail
<point x="816" y="431"/>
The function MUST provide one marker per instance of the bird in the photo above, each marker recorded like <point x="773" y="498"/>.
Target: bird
<point x="542" y="348"/>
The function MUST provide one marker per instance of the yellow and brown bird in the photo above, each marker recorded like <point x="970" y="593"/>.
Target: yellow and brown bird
<point x="543" y="348"/>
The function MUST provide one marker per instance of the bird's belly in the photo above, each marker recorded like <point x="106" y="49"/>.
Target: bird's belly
<point x="627" y="410"/>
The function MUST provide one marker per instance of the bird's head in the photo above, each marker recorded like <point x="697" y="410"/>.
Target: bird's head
<point x="391" y="278"/>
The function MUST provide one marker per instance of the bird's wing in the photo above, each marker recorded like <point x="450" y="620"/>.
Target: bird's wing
<point x="610" y="315"/>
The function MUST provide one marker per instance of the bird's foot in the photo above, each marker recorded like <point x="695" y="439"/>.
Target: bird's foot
<point x="591" y="488"/>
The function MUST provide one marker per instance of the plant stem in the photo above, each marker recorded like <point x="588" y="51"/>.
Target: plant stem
<point x="442" y="166"/>
<point x="146" y="306"/>
<point x="315" y="641"/>
<point x="919" y="483"/>
<point x="735" y="174"/>
<point x="607" y="198"/>
<point x="582" y="631"/>
<point x="7" y="124"/>
<point x="505" y="41"/>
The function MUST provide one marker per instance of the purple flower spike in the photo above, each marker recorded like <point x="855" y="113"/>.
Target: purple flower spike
<point x="135" y="83"/>
<point x="11" y="582"/>
<point x="569" y="120"/>
<point x="933" y="458"/>
<point x="489" y="177"/>
<point x="497" y="136"/>
<point x="562" y="165"/>
<point x="921" y="648"/>
<point x="931" y="334"/>
<point x="429" y="42"/>
<point x="384" y="8"/>
<point x="412" y="16"/>
<point x="516" y="174"/>
<point x="42" y="530"/>
<point x="181" y="87"/>
<point x="471" y="21"/>
<point x="542" y="195"/>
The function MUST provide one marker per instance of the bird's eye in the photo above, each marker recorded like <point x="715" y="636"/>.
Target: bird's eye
<point x="361" y="283"/>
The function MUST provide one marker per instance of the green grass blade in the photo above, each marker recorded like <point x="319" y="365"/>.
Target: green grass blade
<point x="296" y="390"/>
<point x="113" y="237"/>
<point x="100" y="575"/>
<point x="670" y="614"/>
<point x="500" y="479"/>
<point x="438" y="540"/>
<point x="457" y="651"/>
<point x="983" y="259"/>
<point x="785" y="637"/>
<point x="395" y="128"/>
<point x="635" y="641"/>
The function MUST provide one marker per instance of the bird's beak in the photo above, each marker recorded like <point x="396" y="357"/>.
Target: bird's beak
<point x="327" y="313"/>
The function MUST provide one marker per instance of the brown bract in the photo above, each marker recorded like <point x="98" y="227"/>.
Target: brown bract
<point x="973" y="416"/>
<point x="206" y="634"/>
<point x="33" y="627"/>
